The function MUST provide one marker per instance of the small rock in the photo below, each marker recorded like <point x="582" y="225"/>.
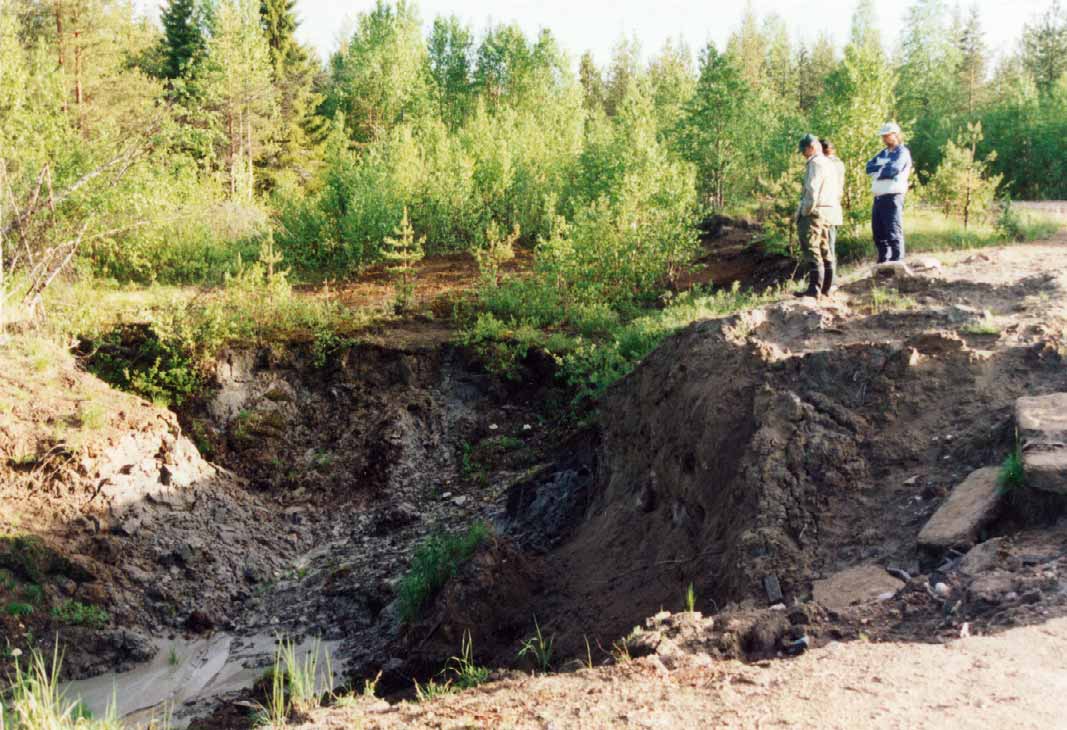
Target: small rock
<point x="970" y="507"/>
<point x="887" y="596"/>
<point x="773" y="589"/>
<point x="982" y="557"/>
<point x="856" y="585"/>
<point x="1032" y="597"/>
<point x="911" y="481"/>
<point x="459" y="501"/>
<point x="992" y="588"/>
<point x="446" y="495"/>
<point x="493" y="427"/>
<point x="942" y="590"/>
<point x="925" y="263"/>
<point x="527" y="427"/>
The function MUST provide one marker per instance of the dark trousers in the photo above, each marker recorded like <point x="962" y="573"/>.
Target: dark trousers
<point x="887" y="225"/>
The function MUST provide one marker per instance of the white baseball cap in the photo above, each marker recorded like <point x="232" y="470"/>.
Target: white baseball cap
<point x="889" y="128"/>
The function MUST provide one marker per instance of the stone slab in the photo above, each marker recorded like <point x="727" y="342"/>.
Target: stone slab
<point x="972" y="505"/>
<point x="853" y="586"/>
<point x="1042" y="428"/>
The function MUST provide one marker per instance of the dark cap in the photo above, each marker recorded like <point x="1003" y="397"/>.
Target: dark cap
<point x="807" y="141"/>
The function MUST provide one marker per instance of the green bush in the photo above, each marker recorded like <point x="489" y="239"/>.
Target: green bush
<point x="18" y="609"/>
<point x="75" y="613"/>
<point x="436" y="560"/>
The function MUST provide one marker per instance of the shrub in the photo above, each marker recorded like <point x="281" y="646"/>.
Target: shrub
<point x="436" y="560"/>
<point x="76" y="613"/>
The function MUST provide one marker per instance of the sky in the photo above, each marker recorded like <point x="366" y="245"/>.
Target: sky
<point x="597" y="25"/>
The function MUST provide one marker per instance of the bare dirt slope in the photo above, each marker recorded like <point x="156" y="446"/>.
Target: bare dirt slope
<point x="791" y="455"/>
<point x="1009" y="680"/>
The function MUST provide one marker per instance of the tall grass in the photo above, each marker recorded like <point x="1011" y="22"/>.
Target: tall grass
<point x="927" y="230"/>
<point x="435" y="561"/>
<point x="34" y="702"/>
<point x="294" y="685"/>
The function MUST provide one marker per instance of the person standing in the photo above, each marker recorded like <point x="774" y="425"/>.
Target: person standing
<point x="834" y="215"/>
<point x="889" y="171"/>
<point x="812" y="226"/>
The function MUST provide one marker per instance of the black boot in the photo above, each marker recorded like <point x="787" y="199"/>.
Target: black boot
<point x="814" y="290"/>
<point x="828" y="277"/>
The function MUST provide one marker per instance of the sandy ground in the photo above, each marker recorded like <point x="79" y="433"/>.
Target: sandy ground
<point x="1011" y="680"/>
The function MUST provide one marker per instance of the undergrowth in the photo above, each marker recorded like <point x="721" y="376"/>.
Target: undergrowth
<point x="1012" y="477"/>
<point x="593" y="346"/>
<point x="436" y="560"/>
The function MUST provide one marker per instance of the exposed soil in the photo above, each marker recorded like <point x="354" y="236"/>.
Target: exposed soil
<point x="782" y="461"/>
<point x="1000" y="681"/>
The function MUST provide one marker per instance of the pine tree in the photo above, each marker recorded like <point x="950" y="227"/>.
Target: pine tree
<point x="973" y="57"/>
<point x="402" y="252"/>
<point x="723" y="129"/>
<point x="1045" y="47"/>
<point x="183" y="37"/>
<point x="300" y="132"/>
<point x="237" y="82"/>
<point x="963" y="185"/>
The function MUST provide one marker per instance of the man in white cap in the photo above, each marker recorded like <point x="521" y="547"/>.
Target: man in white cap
<point x="889" y="172"/>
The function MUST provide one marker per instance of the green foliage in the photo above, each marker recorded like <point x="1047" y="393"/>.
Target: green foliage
<point x="436" y="560"/>
<point x="690" y="598"/>
<point x="18" y="609"/>
<point x="1012" y="476"/>
<point x="34" y="700"/>
<point x="538" y="648"/>
<point x="498" y="249"/>
<point x="294" y="680"/>
<point x="466" y="671"/>
<point x="183" y="37"/>
<point x="432" y="690"/>
<point x="402" y="252"/>
<point x="76" y="613"/>
<point x="153" y="361"/>
<point x="962" y="184"/>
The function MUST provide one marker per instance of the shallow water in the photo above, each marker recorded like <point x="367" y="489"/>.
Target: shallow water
<point x="185" y="677"/>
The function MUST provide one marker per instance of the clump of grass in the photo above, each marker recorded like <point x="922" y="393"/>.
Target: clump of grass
<point x="435" y="561"/>
<point x="294" y="681"/>
<point x="34" y="701"/>
<point x="690" y="598"/>
<point x="884" y="299"/>
<point x="985" y="326"/>
<point x="538" y="648"/>
<point x="433" y="689"/>
<point x="467" y="673"/>
<point x="76" y="613"/>
<point x="1012" y="476"/>
<point x="93" y="416"/>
